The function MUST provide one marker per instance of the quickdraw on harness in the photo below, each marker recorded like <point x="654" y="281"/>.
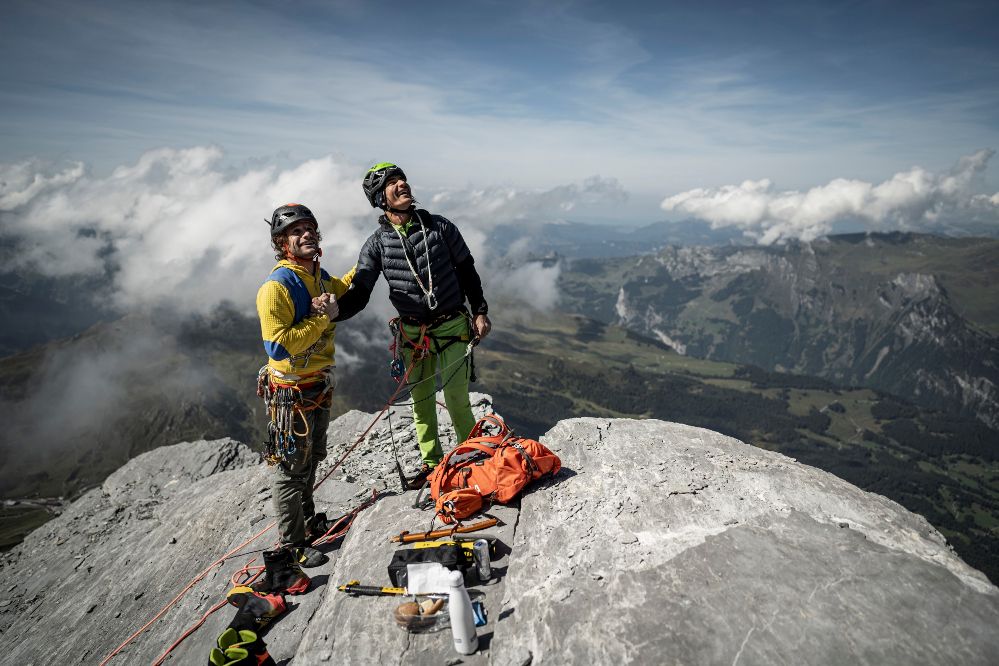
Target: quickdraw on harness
<point x="420" y="346"/>
<point x="283" y="404"/>
<point x="426" y="343"/>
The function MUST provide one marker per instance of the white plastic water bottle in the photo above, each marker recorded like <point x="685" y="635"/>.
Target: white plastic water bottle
<point x="459" y="606"/>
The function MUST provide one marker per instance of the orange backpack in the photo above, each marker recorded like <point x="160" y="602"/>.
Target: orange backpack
<point x="497" y="467"/>
<point x="455" y="505"/>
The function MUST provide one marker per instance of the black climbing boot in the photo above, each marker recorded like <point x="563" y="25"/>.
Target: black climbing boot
<point x="282" y="574"/>
<point x="418" y="481"/>
<point x="321" y="527"/>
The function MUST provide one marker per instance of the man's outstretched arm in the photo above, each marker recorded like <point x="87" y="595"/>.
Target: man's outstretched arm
<point x="357" y="295"/>
<point x="365" y="275"/>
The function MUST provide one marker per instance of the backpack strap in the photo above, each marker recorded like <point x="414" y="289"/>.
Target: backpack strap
<point x="532" y="466"/>
<point x="477" y="446"/>
<point x="479" y="429"/>
<point x="471" y="451"/>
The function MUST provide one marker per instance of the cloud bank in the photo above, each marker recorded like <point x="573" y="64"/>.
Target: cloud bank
<point x="178" y="229"/>
<point x="914" y="200"/>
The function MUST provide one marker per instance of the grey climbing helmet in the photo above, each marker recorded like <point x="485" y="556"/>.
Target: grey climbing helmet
<point x="287" y="215"/>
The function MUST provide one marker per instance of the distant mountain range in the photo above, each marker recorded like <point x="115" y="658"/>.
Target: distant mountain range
<point x="78" y="407"/>
<point x="575" y="240"/>
<point x="197" y="381"/>
<point x="912" y="315"/>
<point x="35" y="309"/>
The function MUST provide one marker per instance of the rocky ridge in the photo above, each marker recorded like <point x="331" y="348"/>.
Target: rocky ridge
<point x="798" y="309"/>
<point x="705" y="551"/>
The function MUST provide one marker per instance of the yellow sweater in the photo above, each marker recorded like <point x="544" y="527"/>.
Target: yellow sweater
<point x="297" y="344"/>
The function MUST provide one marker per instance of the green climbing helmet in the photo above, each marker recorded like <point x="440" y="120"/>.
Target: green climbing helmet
<point x="375" y="179"/>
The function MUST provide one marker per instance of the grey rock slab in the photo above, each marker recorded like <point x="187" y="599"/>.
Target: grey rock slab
<point x="361" y="630"/>
<point x="115" y="558"/>
<point x="105" y="567"/>
<point x="664" y="543"/>
<point x="168" y="469"/>
<point x="389" y="436"/>
<point x="657" y="543"/>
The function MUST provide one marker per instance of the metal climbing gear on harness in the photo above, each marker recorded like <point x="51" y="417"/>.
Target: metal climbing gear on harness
<point x="284" y="403"/>
<point x="426" y="343"/>
<point x="307" y="354"/>
<point x="420" y="346"/>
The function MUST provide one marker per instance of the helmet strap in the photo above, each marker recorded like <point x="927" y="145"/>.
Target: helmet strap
<point x="304" y="263"/>
<point x="383" y="204"/>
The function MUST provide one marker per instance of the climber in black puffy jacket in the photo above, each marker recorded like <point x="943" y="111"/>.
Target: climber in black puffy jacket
<point x="431" y="274"/>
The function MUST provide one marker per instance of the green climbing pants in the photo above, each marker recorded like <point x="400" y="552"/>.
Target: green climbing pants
<point x="293" y="478"/>
<point x="448" y="364"/>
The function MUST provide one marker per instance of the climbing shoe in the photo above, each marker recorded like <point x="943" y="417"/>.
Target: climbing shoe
<point x="308" y="557"/>
<point x="242" y="648"/>
<point x="418" y="481"/>
<point x="256" y="610"/>
<point x="282" y="574"/>
<point x="319" y="526"/>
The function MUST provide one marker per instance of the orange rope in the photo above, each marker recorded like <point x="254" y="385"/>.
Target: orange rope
<point x="222" y="559"/>
<point x="187" y="588"/>
<point x="330" y="536"/>
<point x="197" y="625"/>
<point x="245" y="571"/>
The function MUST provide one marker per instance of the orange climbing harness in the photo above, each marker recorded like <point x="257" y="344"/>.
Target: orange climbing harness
<point x="286" y="403"/>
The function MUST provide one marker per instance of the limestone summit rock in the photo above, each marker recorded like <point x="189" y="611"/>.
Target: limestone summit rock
<point x="664" y="543"/>
<point x="657" y="543"/>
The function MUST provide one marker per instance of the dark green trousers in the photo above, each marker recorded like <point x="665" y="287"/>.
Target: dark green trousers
<point x="293" y="478"/>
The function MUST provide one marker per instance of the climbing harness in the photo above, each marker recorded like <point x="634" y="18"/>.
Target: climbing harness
<point x="426" y="343"/>
<point x="400" y="339"/>
<point x="285" y="402"/>
<point x="428" y="291"/>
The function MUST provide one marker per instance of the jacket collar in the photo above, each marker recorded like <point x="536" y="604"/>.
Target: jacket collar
<point x="294" y="267"/>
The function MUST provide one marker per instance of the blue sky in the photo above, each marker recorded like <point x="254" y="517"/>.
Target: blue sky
<point x="660" y="97"/>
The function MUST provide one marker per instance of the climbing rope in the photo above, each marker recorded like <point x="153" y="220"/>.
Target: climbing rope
<point x="457" y="363"/>
<point x="221" y="560"/>
<point x="287" y="433"/>
<point x="186" y="589"/>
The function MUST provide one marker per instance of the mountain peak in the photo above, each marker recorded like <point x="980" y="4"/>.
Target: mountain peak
<point x="657" y="542"/>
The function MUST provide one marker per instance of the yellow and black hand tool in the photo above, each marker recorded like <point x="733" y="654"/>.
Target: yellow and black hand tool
<point x="354" y="588"/>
